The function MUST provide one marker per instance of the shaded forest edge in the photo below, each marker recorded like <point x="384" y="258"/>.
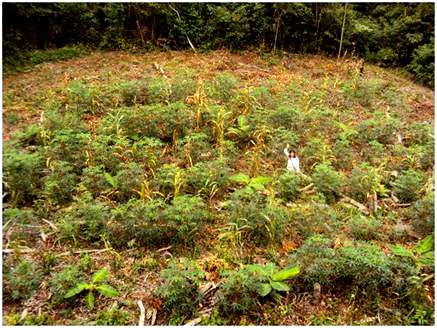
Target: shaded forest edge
<point x="395" y="35"/>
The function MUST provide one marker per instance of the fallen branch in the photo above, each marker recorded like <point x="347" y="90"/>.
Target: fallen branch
<point x="142" y="313"/>
<point x="307" y="187"/>
<point x="50" y="224"/>
<point x="358" y="205"/>
<point x="23" y="250"/>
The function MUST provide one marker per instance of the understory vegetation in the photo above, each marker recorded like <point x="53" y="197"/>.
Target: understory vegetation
<point x="161" y="178"/>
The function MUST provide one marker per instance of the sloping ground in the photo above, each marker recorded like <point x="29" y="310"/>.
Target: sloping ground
<point x="167" y="169"/>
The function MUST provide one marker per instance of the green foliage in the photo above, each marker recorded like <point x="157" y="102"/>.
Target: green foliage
<point x="113" y="316"/>
<point x="366" y="180"/>
<point x="422" y="253"/>
<point x="421" y="214"/>
<point x="60" y="183"/>
<point x="289" y="185"/>
<point x="243" y="289"/>
<point x="223" y="87"/>
<point x="180" y="288"/>
<point x="85" y="219"/>
<point x="16" y="165"/>
<point x="364" y="228"/>
<point x="21" y="281"/>
<point x="361" y="264"/>
<point x="422" y="64"/>
<point x="328" y="181"/>
<point x="96" y="284"/>
<point x="380" y="128"/>
<point x="62" y="281"/>
<point x="408" y="185"/>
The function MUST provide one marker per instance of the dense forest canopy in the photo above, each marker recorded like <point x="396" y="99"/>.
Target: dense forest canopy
<point x="390" y="34"/>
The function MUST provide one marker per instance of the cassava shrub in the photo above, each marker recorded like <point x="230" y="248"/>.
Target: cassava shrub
<point x="364" y="227"/>
<point x="421" y="215"/>
<point x="180" y="288"/>
<point x="85" y="220"/>
<point x="408" y="185"/>
<point x="17" y="165"/>
<point x="21" y="280"/>
<point x="328" y="181"/>
<point x="289" y="185"/>
<point x="60" y="183"/>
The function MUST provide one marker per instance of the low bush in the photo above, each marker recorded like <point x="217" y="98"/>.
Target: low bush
<point x="128" y="181"/>
<point x="408" y="185"/>
<point x="328" y="181"/>
<point x="358" y="264"/>
<point x="289" y="185"/>
<point x="380" y="128"/>
<point x="243" y="290"/>
<point x="366" y="180"/>
<point x="63" y="281"/>
<point x="17" y="165"/>
<point x="180" y="289"/>
<point x="60" y="183"/>
<point x="21" y="281"/>
<point x="421" y="215"/>
<point x="364" y="228"/>
<point x="85" y="220"/>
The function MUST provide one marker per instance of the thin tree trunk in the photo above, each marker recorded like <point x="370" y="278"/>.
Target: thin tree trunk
<point x="276" y="34"/>
<point x="342" y="32"/>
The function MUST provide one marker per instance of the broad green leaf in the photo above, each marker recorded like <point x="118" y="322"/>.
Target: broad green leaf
<point x="76" y="290"/>
<point x="100" y="275"/>
<point x="260" y="180"/>
<point x="280" y="286"/>
<point x="111" y="180"/>
<point x="286" y="274"/>
<point x="107" y="290"/>
<point x="264" y="289"/>
<point x="89" y="300"/>
<point x="425" y="245"/>
<point x="401" y="251"/>
<point x="240" y="178"/>
<point x="426" y="259"/>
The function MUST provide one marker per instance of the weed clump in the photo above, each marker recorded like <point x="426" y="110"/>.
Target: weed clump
<point x="408" y="186"/>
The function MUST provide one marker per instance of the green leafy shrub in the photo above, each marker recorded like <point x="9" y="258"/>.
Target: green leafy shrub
<point x="180" y="289"/>
<point x="96" y="284"/>
<point x="344" y="155"/>
<point x="223" y="87"/>
<point x="60" y="183"/>
<point x="328" y="181"/>
<point x="364" y="228"/>
<point x="21" y="281"/>
<point x="93" y="179"/>
<point x="289" y="185"/>
<point x="158" y="91"/>
<point x="113" y="316"/>
<point x="365" y="265"/>
<point x="315" y="218"/>
<point x="183" y="85"/>
<point x="359" y="264"/>
<point x="140" y="221"/>
<point x="170" y="180"/>
<point x="366" y="180"/>
<point x="85" y="218"/>
<point x="316" y="151"/>
<point x="63" y="281"/>
<point x="16" y="165"/>
<point x="128" y="180"/>
<point x="421" y="214"/>
<point x="242" y="290"/>
<point x="407" y="187"/>
<point x="422" y="64"/>
<point x="68" y="145"/>
<point x="255" y="222"/>
<point x="208" y="179"/>
<point x="187" y="215"/>
<point x="317" y="260"/>
<point x="380" y="128"/>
